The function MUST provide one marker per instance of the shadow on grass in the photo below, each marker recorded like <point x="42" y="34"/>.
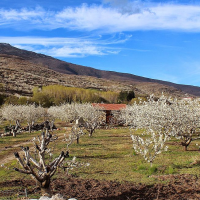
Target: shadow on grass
<point x="107" y="156"/>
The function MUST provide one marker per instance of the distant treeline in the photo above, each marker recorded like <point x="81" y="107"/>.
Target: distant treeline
<point x="58" y="94"/>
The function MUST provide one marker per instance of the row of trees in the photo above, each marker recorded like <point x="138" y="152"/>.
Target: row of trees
<point x="57" y="94"/>
<point x="91" y="116"/>
<point x="22" y="113"/>
<point x="160" y="120"/>
<point x="34" y="161"/>
<point x="163" y="118"/>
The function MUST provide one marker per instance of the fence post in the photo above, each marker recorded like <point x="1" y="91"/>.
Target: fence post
<point x="26" y="195"/>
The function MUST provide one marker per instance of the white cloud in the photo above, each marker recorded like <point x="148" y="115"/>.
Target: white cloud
<point x="67" y="47"/>
<point x="78" y="51"/>
<point x="106" y="18"/>
<point x="23" y="14"/>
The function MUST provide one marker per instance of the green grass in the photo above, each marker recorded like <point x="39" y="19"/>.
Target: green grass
<point x="111" y="157"/>
<point x="9" y="144"/>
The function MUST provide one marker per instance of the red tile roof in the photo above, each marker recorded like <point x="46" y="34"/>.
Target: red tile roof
<point x="105" y="106"/>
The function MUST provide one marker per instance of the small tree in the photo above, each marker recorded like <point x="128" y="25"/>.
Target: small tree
<point x="31" y="114"/>
<point x="150" y="147"/>
<point x="75" y="134"/>
<point x="126" y="96"/>
<point x="92" y="116"/>
<point x="185" y="120"/>
<point x="65" y="112"/>
<point x="52" y="114"/>
<point x="13" y="113"/>
<point x="37" y="167"/>
<point x="152" y="118"/>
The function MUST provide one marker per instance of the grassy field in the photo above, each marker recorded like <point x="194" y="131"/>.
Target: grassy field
<point x="110" y="155"/>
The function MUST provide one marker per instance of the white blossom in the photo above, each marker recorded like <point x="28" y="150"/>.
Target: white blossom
<point x="160" y="120"/>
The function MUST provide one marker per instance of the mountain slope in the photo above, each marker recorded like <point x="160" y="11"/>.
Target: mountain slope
<point x="47" y="65"/>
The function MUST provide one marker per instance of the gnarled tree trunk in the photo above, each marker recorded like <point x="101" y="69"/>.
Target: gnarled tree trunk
<point x="37" y="168"/>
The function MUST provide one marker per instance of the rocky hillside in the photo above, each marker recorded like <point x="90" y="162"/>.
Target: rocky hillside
<point x="21" y="70"/>
<point x="19" y="76"/>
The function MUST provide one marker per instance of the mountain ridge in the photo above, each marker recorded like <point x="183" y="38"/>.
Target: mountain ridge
<point x="62" y="67"/>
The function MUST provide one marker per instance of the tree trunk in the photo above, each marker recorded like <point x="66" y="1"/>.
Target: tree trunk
<point x="77" y="140"/>
<point x="29" y="127"/>
<point x="14" y="132"/>
<point x="185" y="147"/>
<point x="17" y="124"/>
<point x="51" y="125"/>
<point x="91" y="132"/>
<point x="186" y="143"/>
<point x="45" y="188"/>
<point x="46" y="192"/>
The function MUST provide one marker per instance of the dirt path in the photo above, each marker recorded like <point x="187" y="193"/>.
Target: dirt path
<point x="10" y="156"/>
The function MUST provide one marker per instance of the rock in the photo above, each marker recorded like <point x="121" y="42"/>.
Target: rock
<point x="44" y="198"/>
<point x="55" y="197"/>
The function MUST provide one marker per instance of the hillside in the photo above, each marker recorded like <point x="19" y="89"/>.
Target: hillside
<point x="21" y="70"/>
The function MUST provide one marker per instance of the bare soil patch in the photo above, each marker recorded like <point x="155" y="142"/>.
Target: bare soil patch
<point x="179" y="187"/>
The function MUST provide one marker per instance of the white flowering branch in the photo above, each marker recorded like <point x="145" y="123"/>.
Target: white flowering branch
<point x="150" y="147"/>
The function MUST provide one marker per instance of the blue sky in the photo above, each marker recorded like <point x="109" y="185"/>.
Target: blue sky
<point x="149" y="38"/>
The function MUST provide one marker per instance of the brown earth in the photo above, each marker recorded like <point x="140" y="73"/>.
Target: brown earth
<point x="178" y="187"/>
